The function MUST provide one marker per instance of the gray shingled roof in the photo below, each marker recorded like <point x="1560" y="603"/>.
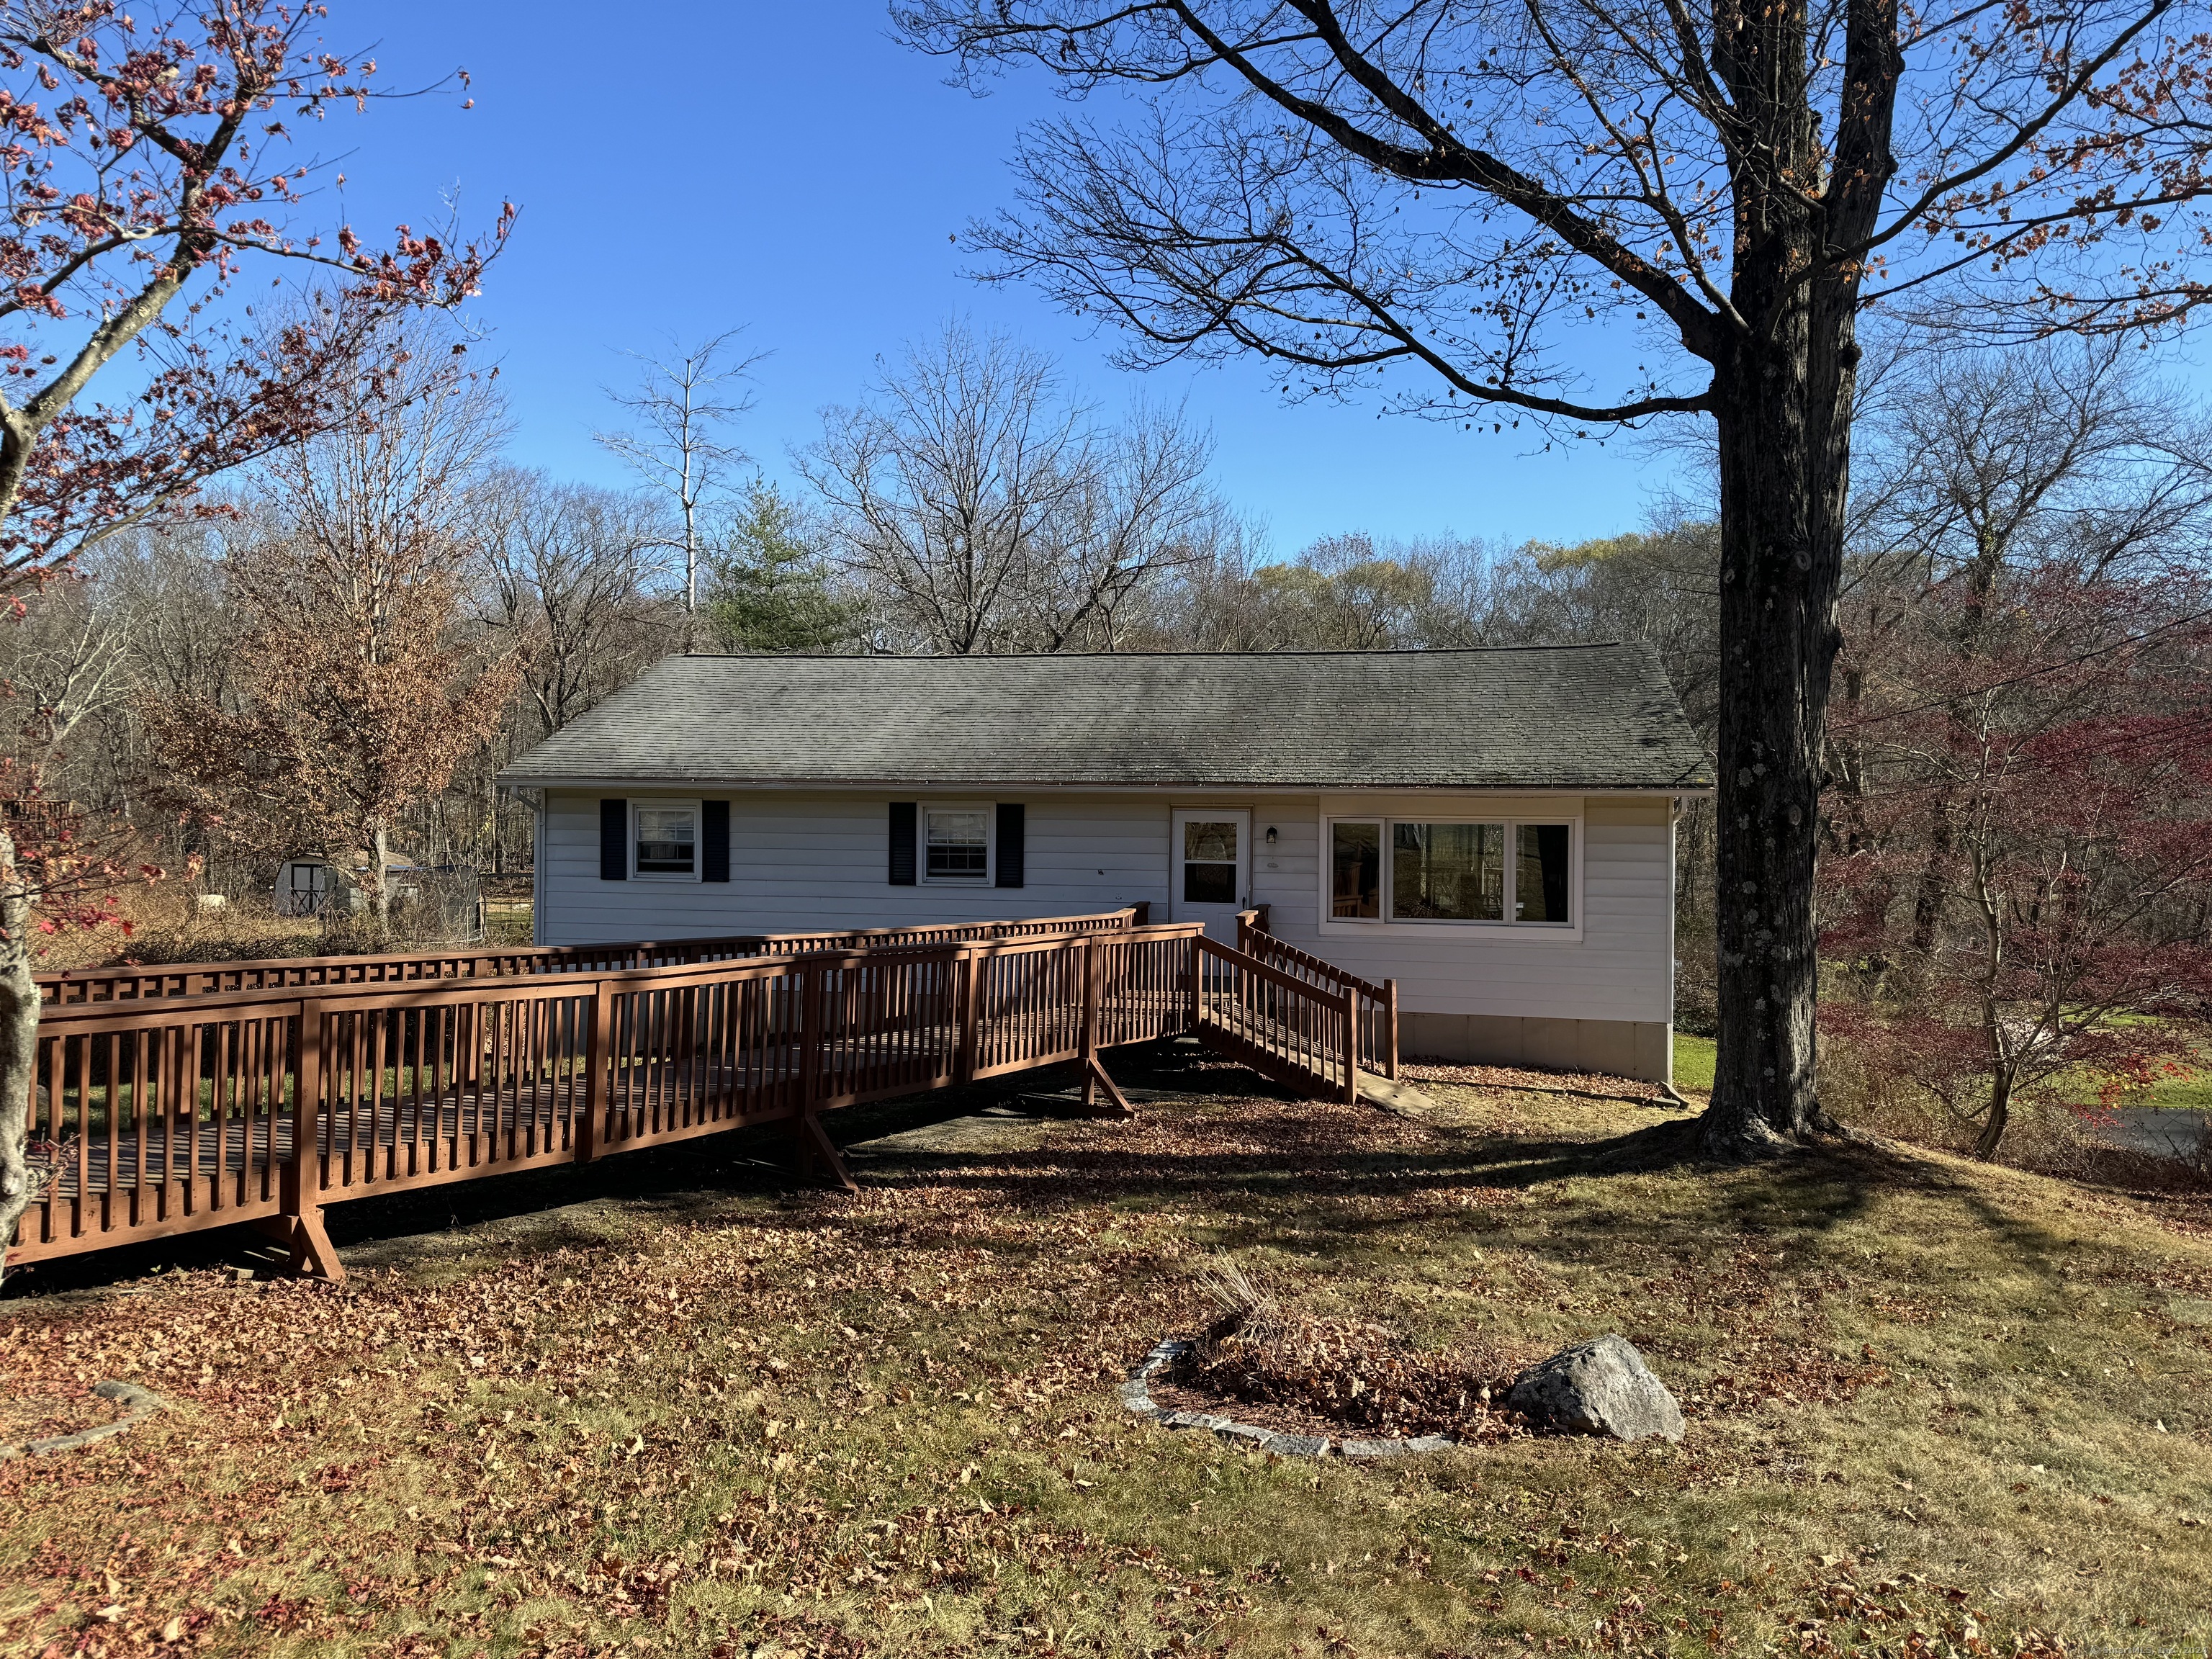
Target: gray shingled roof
<point x="1591" y="717"/>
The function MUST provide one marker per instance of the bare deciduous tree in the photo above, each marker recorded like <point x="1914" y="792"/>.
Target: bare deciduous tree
<point x="683" y="406"/>
<point x="356" y="693"/>
<point x="2070" y="459"/>
<point x="143" y="168"/>
<point x="571" y="576"/>
<point x="983" y="509"/>
<point x="66" y="660"/>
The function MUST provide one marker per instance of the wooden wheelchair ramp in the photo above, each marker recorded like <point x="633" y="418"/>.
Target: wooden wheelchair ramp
<point x="1283" y="1025"/>
<point x="168" y="1108"/>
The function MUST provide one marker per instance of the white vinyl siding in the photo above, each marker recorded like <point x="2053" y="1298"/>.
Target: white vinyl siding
<point x="802" y="862"/>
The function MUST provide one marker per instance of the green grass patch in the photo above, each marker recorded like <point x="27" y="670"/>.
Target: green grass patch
<point x="1693" y="1062"/>
<point x="2182" y="1094"/>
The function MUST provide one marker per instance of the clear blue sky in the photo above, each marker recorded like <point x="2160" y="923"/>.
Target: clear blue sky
<point x="789" y="167"/>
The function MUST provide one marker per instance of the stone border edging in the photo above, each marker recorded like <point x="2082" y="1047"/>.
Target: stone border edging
<point x="1137" y="1395"/>
<point x="136" y="1402"/>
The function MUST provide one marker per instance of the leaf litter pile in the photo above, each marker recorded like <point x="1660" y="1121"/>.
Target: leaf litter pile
<point x="751" y="1423"/>
<point x="1321" y="1373"/>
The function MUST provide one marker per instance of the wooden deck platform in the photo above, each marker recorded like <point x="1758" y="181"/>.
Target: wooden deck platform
<point x="169" y="1109"/>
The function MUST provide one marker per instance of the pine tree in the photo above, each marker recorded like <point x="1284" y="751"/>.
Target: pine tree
<point x="769" y="590"/>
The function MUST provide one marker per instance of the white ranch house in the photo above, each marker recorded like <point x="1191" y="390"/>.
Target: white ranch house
<point x="1492" y="829"/>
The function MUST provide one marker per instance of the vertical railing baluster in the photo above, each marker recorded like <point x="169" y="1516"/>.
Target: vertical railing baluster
<point x="598" y="1058"/>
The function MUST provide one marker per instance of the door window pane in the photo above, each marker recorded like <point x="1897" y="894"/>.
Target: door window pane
<point x="1355" y="870"/>
<point x="665" y="837"/>
<point x="1540" y="872"/>
<point x="1209" y="883"/>
<point x="1209" y="862"/>
<point x="959" y="846"/>
<point x="1448" y="871"/>
<point x="1210" y="843"/>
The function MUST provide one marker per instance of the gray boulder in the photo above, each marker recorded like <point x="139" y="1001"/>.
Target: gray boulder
<point x="1597" y="1388"/>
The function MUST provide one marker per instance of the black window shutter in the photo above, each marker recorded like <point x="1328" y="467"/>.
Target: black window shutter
<point x="902" y="817"/>
<point x="614" y="841"/>
<point x="714" y="839"/>
<point x="1013" y="828"/>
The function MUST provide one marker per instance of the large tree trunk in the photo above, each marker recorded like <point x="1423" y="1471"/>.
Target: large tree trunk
<point x="1777" y="644"/>
<point x="1993" y="1126"/>
<point x="19" y="1045"/>
<point x="1784" y="419"/>
<point x="1782" y="385"/>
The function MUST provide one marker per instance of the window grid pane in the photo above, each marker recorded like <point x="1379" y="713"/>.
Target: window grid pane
<point x="1539" y="874"/>
<point x="666" y="840"/>
<point x="959" y="846"/>
<point x="1211" y="842"/>
<point x="1209" y="861"/>
<point x="1209" y="883"/>
<point x="1448" y="871"/>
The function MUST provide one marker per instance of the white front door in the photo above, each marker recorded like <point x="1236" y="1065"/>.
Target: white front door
<point x="1212" y="874"/>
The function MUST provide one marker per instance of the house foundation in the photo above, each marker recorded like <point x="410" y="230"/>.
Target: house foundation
<point x="1643" y="1049"/>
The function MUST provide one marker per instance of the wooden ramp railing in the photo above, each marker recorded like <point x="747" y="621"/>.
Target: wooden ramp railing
<point x="284" y="973"/>
<point x="1374" y="1007"/>
<point x="164" y="1113"/>
<point x="158" y="1113"/>
<point x="1280" y="1025"/>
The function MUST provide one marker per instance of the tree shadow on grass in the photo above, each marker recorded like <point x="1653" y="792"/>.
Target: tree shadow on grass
<point x="1244" y="1151"/>
<point x="1230" y="1139"/>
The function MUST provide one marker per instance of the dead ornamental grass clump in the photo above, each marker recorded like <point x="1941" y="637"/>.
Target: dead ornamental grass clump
<point x="1353" y="1373"/>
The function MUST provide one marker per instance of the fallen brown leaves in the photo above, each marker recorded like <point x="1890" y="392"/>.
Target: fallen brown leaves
<point x="1594" y="1086"/>
<point x="614" y="1429"/>
<point x="26" y="1417"/>
<point x="1336" y="1372"/>
<point x="745" y="1422"/>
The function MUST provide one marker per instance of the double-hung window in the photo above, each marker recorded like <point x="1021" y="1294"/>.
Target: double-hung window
<point x="956" y="844"/>
<point x="664" y="840"/>
<point x="1510" y="873"/>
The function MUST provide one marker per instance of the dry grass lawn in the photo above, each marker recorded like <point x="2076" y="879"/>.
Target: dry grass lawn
<point x="1933" y="1407"/>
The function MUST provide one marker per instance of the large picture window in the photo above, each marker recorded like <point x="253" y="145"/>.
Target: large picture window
<point x="956" y="844"/>
<point x="1446" y="871"/>
<point x="664" y="840"/>
<point x="1499" y="871"/>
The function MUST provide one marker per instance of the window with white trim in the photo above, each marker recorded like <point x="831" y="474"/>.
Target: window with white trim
<point x="664" y="839"/>
<point x="1510" y="873"/>
<point x="1355" y="866"/>
<point x="956" y="844"/>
